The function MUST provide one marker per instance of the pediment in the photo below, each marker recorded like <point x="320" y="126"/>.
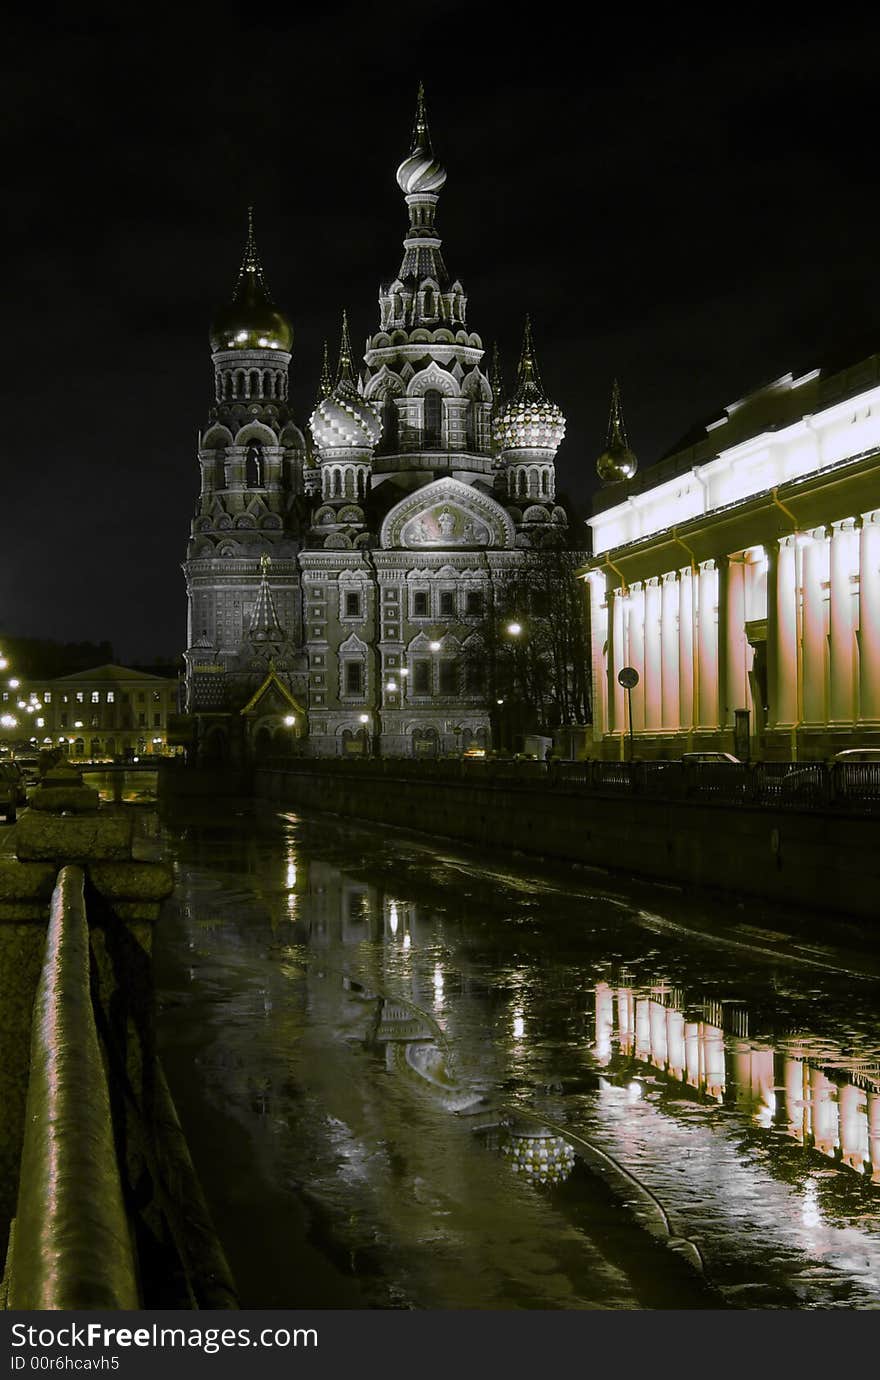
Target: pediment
<point x="447" y="515"/>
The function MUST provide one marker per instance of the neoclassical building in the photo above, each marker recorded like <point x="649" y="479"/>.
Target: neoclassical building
<point x="339" y="577"/>
<point x="740" y="577"/>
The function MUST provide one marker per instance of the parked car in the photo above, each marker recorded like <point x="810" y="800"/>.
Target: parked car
<point x="862" y="754"/>
<point x="709" y="757"/>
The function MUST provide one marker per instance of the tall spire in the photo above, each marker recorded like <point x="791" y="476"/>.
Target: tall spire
<point x="250" y="275"/>
<point x="344" y="370"/>
<point x="264" y="620"/>
<point x="325" y="383"/>
<point x="421" y="135"/>
<point x="616" y="428"/>
<point x="528" y="376"/>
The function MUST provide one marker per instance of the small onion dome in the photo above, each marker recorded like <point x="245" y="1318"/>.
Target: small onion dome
<point x="251" y="321"/>
<point x="617" y="462"/>
<point x="529" y="421"/>
<point x="421" y="171"/>
<point x="343" y="418"/>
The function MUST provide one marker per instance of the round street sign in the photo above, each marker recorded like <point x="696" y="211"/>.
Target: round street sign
<point x="628" y="677"/>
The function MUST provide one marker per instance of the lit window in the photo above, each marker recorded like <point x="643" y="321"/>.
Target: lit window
<point x="156" y="696"/>
<point x="96" y="697"/>
<point x="79" y="697"/>
<point x="47" y="697"/>
<point x="111" y="696"/>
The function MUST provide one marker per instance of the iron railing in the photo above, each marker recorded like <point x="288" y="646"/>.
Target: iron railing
<point x="845" y="787"/>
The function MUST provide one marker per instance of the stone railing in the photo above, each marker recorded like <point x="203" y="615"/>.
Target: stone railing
<point x="90" y="1161"/>
<point x="71" y="1246"/>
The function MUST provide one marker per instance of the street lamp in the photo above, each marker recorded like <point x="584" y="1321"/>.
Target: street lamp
<point x="289" y="720"/>
<point x="434" y="646"/>
<point x="514" y="629"/>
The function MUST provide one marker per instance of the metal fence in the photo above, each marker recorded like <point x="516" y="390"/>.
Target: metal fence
<point x="842" y="786"/>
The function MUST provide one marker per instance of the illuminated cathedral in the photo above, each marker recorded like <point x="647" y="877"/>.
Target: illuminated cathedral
<point x="340" y="576"/>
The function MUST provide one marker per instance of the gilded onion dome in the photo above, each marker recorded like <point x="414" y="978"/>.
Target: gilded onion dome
<point x="529" y="420"/>
<point x="617" y="462"/>
<point x="251" y="321"/>
<point x="420" y="171"/>
<point x="343" y="419"/>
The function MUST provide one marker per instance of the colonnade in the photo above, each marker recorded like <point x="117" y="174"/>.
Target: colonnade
<point x="789" y="630"/>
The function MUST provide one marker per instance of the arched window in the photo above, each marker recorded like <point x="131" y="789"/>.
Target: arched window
<point x="545" y="483"/>
<point x="433" y="419"/>
<point x="389" y="424"/>
<point x="254" y="467"/>
<point x="520" y="484"/>
<point x="268" y="390"/>
<point x="471" y="423"/>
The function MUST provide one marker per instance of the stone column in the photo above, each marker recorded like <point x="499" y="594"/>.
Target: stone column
<point x="772" y="550"/>
<point x="636" y="651"/>
<point x="686" y="649"/>
<point x="617" y="709"/>
<point x="722" y="594"/>
<point x="653" y="656"/>
<point x="844" y="565"/>
<point x="785" y="709"/>
<point x="814" y="655"/>
<point x="869" y="618"/>
<point x="601" y="649"/>
<point x="707" y="646"/>
<point x="736" y="695"/>
<point x="671" y="706"/>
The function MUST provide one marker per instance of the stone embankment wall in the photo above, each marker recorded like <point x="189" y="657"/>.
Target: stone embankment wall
<point x="827" y="861"/>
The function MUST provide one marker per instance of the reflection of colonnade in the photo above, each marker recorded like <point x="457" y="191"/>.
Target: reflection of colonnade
<point x="713" y="1055"/>
<point x="746" y="579"/>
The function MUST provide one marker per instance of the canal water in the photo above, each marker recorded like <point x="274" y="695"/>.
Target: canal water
<point x="415" y="1077"/>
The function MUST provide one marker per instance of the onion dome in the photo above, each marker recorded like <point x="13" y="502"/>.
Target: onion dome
<point x="251" y="321"/>
<point x="617" y="462"/>
<point x="529" y="420"/>
<point x="421" y="171"/>
<point x="343" y="419"/>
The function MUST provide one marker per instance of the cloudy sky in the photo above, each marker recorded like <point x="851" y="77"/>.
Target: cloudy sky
<point x="691" y="206"/>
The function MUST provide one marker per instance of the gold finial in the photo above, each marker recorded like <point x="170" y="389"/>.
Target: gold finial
<point x="265" y="562"/>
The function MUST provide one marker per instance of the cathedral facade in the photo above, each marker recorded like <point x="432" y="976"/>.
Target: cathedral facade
<point x="342" y="578"/>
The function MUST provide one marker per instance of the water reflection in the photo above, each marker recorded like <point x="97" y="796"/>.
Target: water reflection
<point x="706" y="1047"/>
<point x="442" y="1060"/>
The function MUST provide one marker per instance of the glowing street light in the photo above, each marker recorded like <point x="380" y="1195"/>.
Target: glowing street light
<point x="364" y="718"/>
<point x="434" y="646"/>
<point x="14" y="684"/>
<point x="514" y="629"/>
<point x="391" y="685"/>
<point x="289" y="720"/>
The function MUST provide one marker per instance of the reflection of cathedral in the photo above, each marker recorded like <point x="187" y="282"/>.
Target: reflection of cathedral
<point x="339" y="590"/>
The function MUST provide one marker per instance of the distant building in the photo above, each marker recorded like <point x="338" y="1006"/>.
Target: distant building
<point x="740" y="577"/>
<point x="109" y="711"/>
<point x="337" y="588"/>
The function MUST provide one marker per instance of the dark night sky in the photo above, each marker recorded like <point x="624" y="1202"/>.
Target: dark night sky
<point x="694" y="210"/>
